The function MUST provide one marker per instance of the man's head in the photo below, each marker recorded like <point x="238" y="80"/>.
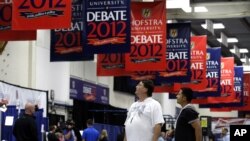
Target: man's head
<point x="224" y="131"/>
<point x="90" y="122"/>
<point x="70" y="124"/>
<point x="184" y="96"/>
<point x="144" y="88"/>
<point x="29" y="108"/>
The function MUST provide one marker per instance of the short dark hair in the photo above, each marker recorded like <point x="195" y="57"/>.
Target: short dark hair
<point x="149" y="84"/>
<point x="90" y="122"/>
<point x="188" y="93"/>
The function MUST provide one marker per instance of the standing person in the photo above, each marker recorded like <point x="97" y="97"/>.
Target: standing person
<point x="52" y="133"/>
<point x="187" y="123"/>
<point x="69" y="134"/>
<point x="225" y="134"/>
<point x="104" y="135"/>
<point x="144" y="118"/>
<point x="25" y="128"/>
<point x="90" y="134"/>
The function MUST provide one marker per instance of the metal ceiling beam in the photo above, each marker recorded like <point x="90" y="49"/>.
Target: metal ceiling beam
<point x="216" y="10"/>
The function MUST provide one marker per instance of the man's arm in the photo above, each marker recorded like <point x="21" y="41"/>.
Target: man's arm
<point x="125" y="139"/>
<point x="157" y="131"/>
<point x="197" y="129"/>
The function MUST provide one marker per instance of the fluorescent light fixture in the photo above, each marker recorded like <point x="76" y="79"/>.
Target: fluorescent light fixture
<point x="187" y="9"/>
<point x="171" y="4"/>
<point x="243" y="50"/>
<point x="232" y="50"/>
<point x="200" y="9"/>
<point x="215" y="26"/>
<point x="230" y="40"/>
<point x="243" y="60"/>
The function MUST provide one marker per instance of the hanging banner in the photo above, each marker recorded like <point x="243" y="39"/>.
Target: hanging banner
<point x="246" y="95"/>
<point x="107" y="27"/>
<point x="42" y="14"/>
<point x="198" y="64"/>
<point x="148" y="37"/>
<point x="111" y="64"/>
<point x="177" y="55"/>
<point x="67" y="44"/>
<point x="227" y="94"/>
<point x="238" y="89"/>
<point x="6" y="34"/>
<point x="212" y="76"/>
<point x="87" y="91"/>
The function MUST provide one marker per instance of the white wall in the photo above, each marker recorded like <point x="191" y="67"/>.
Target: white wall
<point x="14" y="63"/>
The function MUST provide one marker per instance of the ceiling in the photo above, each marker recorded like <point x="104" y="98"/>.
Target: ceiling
<point x="234" y="14"/>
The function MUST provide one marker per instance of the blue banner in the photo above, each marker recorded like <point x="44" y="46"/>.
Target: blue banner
<point x="67" y="44"/>
<point x="177" y="54"/>
<point x="107" y="26"/>
<point x="87" y="91"/>
<point x="213" y="74"/>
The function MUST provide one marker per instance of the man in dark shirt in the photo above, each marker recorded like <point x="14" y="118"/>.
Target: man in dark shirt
<point x="25" y="127"/>
<point x="187" y="123"/>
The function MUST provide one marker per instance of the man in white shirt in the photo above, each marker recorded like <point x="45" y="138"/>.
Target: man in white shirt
<point x="225" y="134"/>
<point x="144" y="118"/>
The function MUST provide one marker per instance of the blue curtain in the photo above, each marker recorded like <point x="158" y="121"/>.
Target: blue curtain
<point x="113" y="131"/>
<point x="7" y="130"/>
<point x="39" y="122"/>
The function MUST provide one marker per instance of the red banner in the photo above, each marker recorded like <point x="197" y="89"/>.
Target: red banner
<point x="246" y="98"/>
<point x="42" y="14"/>
<point x="148" y="37"/>
<point x="198" y="64"/>
<point x="6" y="34"/>
<point x="227" y="82"/>
<point x="111" y="64"/>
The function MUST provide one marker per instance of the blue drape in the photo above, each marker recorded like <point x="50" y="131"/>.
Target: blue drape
<point x="113" y="131"/>
<point x="39" y="122"/>
<point x="7" y="130"/>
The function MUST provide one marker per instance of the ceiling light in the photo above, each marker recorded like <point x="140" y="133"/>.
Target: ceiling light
<point x="232" y="50"/>
<point x="230" y="40"/>
<point x="243" y="50"/>
<point x="187" y="9"/>
<point x="200" y="9"/>
<point x="215" y="26"/>
<point x="243" y="60"/>
<point x="170" y="4"/>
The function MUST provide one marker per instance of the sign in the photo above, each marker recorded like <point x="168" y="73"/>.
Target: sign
<point x="148" y="37"/>
<point x="107" y="26"/>
<point x="6" y="32"/>
<point x="177" y="54"/>
<point x="41" y="14"/>
<point x="87" y="91"/>
<point x="67" y="43"/>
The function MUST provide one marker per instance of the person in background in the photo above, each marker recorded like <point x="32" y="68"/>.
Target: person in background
<point x="69" y="134"/>
<point x="104" y="135"/>
<point x="225" y="134"/>
<point x="187" y="123"/>
<point x="144" y="117"/>
<point x="76" y="132"/>
<point x="90" y="133"/>
<point x="162" y="136"/>
<point x="25" y="128"/>
<point x="51" y="135"/>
